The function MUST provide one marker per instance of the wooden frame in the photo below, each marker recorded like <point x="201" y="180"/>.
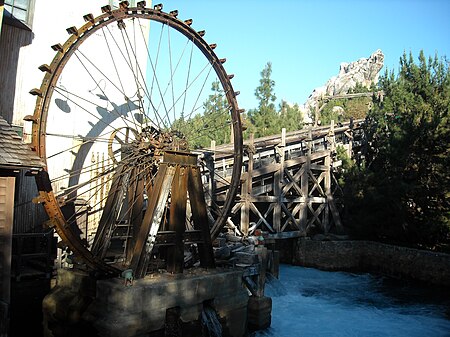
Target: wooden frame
<point x="287" y="186"/>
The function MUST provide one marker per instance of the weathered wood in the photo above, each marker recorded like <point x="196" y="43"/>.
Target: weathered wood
<point x="278" y="182"/>
<point x="288" y="182"/>
<point x="304" y="185"/>
<point x="145" y="240"/>
<point x="327" y="183"/>
<point x="262" y="257"/>
<point x="199" y="217"/>
<point x="110" y="212"/>
<point x="6" y="231"/>
<point x="246" y="258"/>
<point x="136" y="199"/>
<point x="246" y="190"/>
<point x="210" y="165"/>
<point x="177" y="220"/>
<point x="261" y="217"/>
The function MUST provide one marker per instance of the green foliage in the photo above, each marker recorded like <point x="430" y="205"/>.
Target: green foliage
<point x="290" y="117"/>
<point x="402" y="193"/>
<point x="356" y="108"/>
<point x="213" y="124"/>
<point x="359" y="88"/>
<point x="265" y="118"/>
<point x="341" y="154"/>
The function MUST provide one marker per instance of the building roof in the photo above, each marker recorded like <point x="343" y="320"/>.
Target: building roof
<point x="14" y="153"/>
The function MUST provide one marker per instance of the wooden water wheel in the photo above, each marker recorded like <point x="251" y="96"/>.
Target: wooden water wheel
<point x="116" y="121"/>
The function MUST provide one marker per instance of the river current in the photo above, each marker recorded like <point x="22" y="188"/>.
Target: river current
<point x="309" y="302"/>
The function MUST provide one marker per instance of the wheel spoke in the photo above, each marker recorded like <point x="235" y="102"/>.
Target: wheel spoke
<point x="103" y="92"/>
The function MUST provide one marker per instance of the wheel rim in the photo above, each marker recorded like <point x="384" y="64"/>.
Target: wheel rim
<point x="86" y="106"/>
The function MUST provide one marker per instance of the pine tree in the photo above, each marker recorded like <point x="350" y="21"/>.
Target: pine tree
<point x="404" y="192"/>
<point x="265" y="119"/>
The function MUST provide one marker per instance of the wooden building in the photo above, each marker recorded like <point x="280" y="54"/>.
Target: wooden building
<point x="15" y="159"/>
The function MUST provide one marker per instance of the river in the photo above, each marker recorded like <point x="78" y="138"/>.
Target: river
<point x="308" y="302"/>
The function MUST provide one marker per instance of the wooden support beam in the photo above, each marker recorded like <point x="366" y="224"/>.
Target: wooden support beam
<point x="246" y="190"/>
<point x="327" y="185"/>
<point x="331" y="139"/>
<point x="210" y="165"/>
<point x="278" y="180"/>
<point x="315" y="214"/>
<point x="152" y="219"/>
<point x="200" y="217"/>
<point x="109" y="214"/>
<point x="177" y="220"/>
<point x="262" y="258"/>
<point x="292" y="174"/>
<point x="304" y="184"/>
<point x="293" y="181"/>
<point x="136" y="200"/>
<point x="291" y="216"/>
<point x="261" y="217"/>
<point x="316" y="182"/>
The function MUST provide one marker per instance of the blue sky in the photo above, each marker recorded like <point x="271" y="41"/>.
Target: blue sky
<point x="306" y="40"/>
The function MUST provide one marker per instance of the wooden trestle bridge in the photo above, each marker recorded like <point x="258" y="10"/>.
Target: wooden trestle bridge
<point x="287" y="185"/>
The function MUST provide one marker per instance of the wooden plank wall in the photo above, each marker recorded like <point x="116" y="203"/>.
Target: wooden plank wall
<point x="12" y="39"/>
<point x="6" y="223"/>
<point x="29" y="217"/>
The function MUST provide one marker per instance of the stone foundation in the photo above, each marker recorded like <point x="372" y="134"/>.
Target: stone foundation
<point x="259" y="313"/>
<point x="140" y="309"/>
<point x="374" y="257"/>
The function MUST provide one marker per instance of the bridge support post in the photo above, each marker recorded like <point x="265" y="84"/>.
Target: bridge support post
<point x="278" y="182"/>
<point x="246" y="190"/>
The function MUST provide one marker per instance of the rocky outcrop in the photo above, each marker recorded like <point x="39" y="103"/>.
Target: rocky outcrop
<point x="365" y="71"/>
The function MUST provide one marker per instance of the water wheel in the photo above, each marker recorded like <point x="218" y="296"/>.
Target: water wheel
<point x="125" y="110"/>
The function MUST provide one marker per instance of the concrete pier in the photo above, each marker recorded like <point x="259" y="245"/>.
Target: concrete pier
<point x="149" y="306"/>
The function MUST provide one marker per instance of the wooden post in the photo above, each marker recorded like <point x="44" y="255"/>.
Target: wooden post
<point x="331" y="137"/>
<point x="262" y="258"/>
<point x="210" y="160"/>
<point x="246" y="189"/>
<point x="327" y="183"/>
<point x="136" y="199"/>
<point x="278" y="179"/>
<point x="200" y="217"/>
<point x="152" y="219"/>
<point x="110" y="212"/>
<point x="304" y="181"/>
<point x="177" y="220"/>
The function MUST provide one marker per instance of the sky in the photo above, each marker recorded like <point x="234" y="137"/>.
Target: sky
<point x="306" y="40"/>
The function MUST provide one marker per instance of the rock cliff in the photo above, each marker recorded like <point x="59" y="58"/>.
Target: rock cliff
<point x="365" y="71"/>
